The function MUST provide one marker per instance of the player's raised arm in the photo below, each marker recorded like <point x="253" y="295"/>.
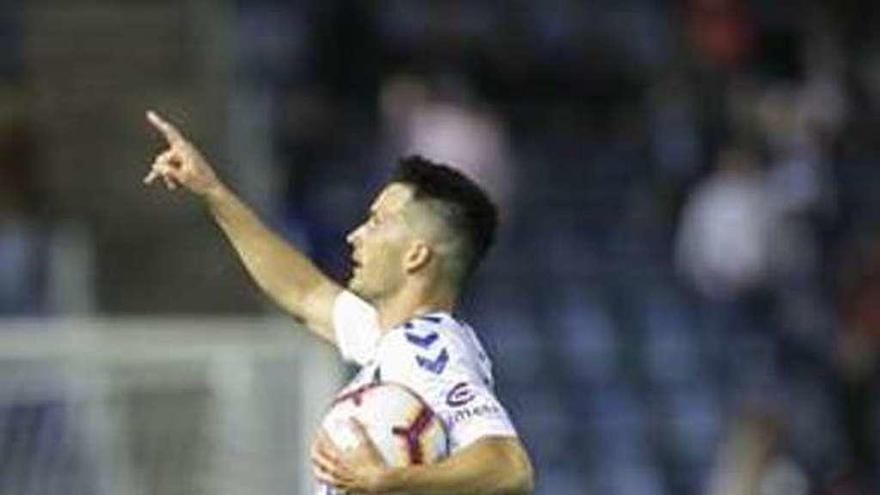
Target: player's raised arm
<point x="280" y="270"/>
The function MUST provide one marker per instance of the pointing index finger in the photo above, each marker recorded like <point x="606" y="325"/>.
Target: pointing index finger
<point x="172" y="135"/>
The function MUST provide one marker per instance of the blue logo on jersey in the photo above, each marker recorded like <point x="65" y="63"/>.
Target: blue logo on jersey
<point x="434" y="365"/>
<point x="432" y="319"/>
<point x="423" y="342"/>
<point x="460" y="395"/>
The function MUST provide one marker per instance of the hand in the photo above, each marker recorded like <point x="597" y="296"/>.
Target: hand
<point x="181" y="164"/>
<point x="360" y="469"/>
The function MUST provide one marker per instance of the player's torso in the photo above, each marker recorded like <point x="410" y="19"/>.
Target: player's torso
<point x="435" y="356"/>
<point x="442" y="361"/>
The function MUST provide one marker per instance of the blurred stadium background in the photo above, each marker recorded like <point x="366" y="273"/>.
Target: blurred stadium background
<point x="685" y="298"/>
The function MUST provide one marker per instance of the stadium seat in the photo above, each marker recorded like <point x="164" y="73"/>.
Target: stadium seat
<point x="587" y="339"/>
<point x="671" y="354"/>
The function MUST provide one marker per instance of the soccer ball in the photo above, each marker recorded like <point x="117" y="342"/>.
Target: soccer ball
<point x="404" y="429"/>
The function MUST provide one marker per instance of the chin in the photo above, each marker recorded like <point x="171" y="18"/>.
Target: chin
<point x="357" y="290"/>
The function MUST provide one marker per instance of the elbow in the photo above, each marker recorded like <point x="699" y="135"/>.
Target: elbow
<point x="526" y="480"/>
<point x="521" y="477"/>
<point x="523" y="483"/>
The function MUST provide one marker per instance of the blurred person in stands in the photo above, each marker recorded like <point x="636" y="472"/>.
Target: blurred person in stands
<point x="442" y="119"/>
<point x="754" y="459"/>
<point x="858" y="361"/>
<point x="724" y="250"/>
<point x="723" y="244"/>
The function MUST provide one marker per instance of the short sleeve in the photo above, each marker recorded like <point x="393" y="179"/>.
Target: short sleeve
<point x="471" y="411"/>
<point x="356" y="325"/>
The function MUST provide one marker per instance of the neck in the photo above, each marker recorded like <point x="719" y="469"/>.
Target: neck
<point x="407" y="304"/>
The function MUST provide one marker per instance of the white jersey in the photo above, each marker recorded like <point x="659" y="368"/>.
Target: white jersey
<point x="435" y="355"/>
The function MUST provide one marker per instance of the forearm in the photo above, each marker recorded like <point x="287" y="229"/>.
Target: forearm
<point x="490" y="466"/>
<point x="284" y="273"/>
<point x="278" y="268"/>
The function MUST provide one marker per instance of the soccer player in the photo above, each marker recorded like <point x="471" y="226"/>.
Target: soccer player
<point x="423" y="237"/>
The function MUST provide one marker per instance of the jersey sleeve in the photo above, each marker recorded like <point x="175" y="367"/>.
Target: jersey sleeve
<point x="356" y="325"/>
<point x="441" y="373"/>
<point x="471" y="412"/>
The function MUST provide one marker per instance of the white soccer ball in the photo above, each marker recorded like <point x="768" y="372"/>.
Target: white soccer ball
<point x="403" y="427"/>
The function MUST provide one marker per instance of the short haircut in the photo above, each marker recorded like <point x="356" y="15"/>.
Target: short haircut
<point x="463" y="206"/>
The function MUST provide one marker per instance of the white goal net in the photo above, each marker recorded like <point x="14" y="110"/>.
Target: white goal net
<point x="159" y="406"/>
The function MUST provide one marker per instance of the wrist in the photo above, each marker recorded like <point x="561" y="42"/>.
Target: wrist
<point x="215" y="193"/>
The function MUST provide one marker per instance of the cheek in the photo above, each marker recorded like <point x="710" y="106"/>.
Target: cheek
<point x="385" y="259"/>
<point x="385" y="250"/>
<point x="388" y="261"/>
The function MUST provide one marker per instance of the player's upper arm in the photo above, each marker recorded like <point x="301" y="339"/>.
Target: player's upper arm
<point x="340" y="317"/>
<point x="316" y="310"/>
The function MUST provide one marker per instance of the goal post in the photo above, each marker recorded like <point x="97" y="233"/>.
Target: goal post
<point x="160" y="405"/>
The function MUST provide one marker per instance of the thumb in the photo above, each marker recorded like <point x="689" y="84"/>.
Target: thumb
<point x="366" y="446"/>
<point x="166" y="170"/>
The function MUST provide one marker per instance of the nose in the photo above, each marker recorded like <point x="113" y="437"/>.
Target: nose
<point x="353" y="236"/>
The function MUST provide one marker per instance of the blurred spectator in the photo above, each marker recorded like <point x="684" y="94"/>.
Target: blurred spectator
<point x="754" y="461"/>
<point x="448" y="126"/>
<point x="725" y="249"/>
<point x="858" y="359"/>
<point x="723" y="244"/>
<point x="797" y="123"/>
<point x="721" y="31"/>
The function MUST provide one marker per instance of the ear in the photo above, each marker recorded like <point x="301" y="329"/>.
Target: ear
<point x="417" y="256"/>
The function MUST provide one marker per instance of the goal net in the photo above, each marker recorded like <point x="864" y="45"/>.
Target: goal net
<point x="159" y="406"/>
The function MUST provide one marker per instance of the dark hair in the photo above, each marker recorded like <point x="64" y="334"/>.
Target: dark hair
<point x="466" y="207"/>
